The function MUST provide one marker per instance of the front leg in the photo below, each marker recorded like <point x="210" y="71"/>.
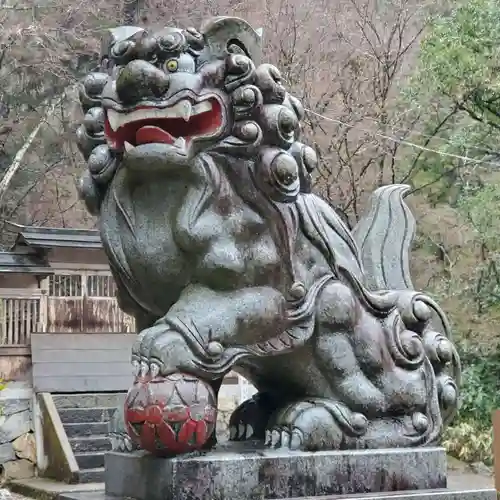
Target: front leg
<point x="203" y="323"/>
<point x="174" y="413"/>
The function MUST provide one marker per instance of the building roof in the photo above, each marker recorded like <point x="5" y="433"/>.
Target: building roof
<point x="52" y="237"/>
<point x="22" y="262"/>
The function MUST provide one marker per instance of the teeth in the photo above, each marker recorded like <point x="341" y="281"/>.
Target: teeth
<point x="180" y="143"/>
<point x="202" y="107"/>
<point x="183" y="109"/>
<point x="128" y="146"/>
<point x="114" y="119"/>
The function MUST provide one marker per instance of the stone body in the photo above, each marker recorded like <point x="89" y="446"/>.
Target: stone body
<point x="229" y="261"/>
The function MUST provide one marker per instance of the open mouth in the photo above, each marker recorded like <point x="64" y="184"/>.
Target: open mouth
<point x="176" y="125"/>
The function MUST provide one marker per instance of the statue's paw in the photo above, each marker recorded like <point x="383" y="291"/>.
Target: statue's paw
<point x="143" y="362"/>
<point x="161" y="351"/>
<point x="250" y="419"/>
<point x="313" y="424"/>
<point x="288" y="428"/>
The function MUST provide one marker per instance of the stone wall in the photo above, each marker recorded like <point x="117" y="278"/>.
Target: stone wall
<point x="230" y="397"/>
<point x="225" y="408"/>
<point x="17" y="441"/>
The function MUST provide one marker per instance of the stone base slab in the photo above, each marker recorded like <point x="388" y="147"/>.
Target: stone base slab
<point x="442" y="494"/>
<point x="248" y="472"/>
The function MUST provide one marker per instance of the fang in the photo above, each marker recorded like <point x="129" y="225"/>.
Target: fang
<point x="180" y="143"/>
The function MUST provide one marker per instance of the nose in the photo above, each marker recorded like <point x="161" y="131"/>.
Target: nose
<point x="139" y="81"/>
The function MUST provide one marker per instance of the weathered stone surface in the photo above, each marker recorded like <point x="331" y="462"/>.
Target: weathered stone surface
<point x="11" y="406"/>
<point x="241" y="473"/>
<point x="19" y="469"/>
<point x="226" y="406"/>
<point x="289" y="273"/>
<point x="6" y="453"/>
<point x="15" y="425"/>
<point x="443" y="494"/>
<point x="89" y="400"/>
<point x="25" y="447"/>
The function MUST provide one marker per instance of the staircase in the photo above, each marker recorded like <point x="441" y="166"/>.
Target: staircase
<point x="85" y="419"/>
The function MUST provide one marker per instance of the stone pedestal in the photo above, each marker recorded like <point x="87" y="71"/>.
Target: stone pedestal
<point x="248" y="472"/>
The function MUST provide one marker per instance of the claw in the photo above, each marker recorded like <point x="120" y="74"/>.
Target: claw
<point x="249" y="432"/>
<point x="285" y="439"/>
<point x="267" y="442"/>
<point x="241" y="431"/>
<point x="136" y="368"/>
<point x="144" y="369"/>
<point x="232" y="432"/>
<point x="128" y="444"/>
<point x="275" y="438"/>
<point x="154" y="369"/>
<point x="296" y="441"/>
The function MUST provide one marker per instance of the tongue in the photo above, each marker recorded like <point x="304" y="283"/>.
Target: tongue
<point x="149" y="134"/>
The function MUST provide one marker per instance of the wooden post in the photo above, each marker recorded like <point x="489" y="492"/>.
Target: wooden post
<point x="496" y="448"/>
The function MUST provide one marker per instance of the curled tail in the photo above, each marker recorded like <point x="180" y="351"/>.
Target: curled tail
<point x="384" y="237"/>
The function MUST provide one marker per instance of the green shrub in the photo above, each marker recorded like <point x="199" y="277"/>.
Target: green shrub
<point x="470" y="437"/>
<point x="481" y="376"/>
<point x="468" y="443"/>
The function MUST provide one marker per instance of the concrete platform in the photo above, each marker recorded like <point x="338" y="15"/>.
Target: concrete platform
<point x="48" y="489"/>
<point x="246" y="471"/>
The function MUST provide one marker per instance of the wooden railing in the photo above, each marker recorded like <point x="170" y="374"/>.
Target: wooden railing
<point x="40" y="310"/>
<point x="21" y="314"/>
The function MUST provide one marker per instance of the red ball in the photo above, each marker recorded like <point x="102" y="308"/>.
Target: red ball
<point x="172" y="415"/>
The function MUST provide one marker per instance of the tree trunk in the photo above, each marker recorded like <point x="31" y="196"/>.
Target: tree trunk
<point x="131" y="12"/>
<point x="16" y="164"/>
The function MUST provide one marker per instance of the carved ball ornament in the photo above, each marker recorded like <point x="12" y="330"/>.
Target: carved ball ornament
<point x="172" y="415"/>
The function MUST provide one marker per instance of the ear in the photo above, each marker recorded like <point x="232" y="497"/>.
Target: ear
<point x="224" y="35"/>
<point x="119" y="34"/>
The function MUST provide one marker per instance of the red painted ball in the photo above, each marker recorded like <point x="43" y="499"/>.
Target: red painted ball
<point x="172" y="415"/>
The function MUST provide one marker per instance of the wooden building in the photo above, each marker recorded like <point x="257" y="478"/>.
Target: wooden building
<point x="56" y="288"/>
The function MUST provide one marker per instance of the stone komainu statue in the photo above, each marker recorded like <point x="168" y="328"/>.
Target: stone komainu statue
<point x="228" y="261"/>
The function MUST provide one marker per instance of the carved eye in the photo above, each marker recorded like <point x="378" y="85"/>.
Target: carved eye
<point x="172" y="65"/>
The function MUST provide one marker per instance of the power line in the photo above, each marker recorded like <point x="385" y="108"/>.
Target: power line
<point x="433" y="137"/>
<point x="404" y="142"/>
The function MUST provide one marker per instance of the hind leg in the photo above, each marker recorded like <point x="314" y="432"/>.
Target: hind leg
<point x="333" y="416"/>
<point x="378" y="377"/>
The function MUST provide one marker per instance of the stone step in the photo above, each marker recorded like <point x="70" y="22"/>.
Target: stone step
<point x="86" y="429"/>
<point x="90" y="443"/>
<point x="85" y="415"/>
<point x="90" y="459"/>
<point x="89" y="400"/>
<point x="91" y="475"/>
